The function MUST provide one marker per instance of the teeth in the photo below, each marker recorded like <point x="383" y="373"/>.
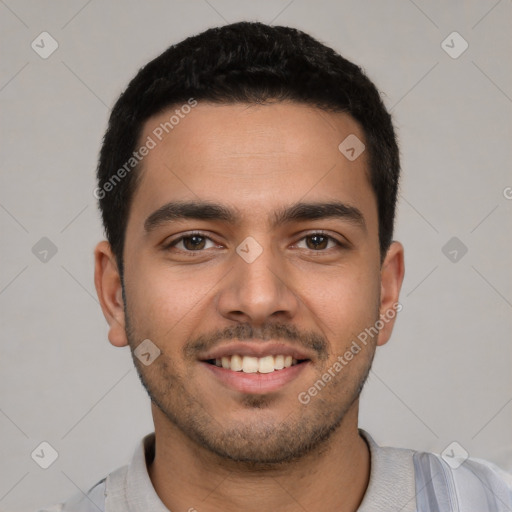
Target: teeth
<point x="266" y="364"/>
<point x="249" y="364"/>
<point x="236" y="363"/>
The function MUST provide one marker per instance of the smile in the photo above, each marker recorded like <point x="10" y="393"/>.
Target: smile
<point x="248" y="364"/>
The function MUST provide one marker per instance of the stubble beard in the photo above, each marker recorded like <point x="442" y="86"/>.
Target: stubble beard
<point x="258" y="445"/>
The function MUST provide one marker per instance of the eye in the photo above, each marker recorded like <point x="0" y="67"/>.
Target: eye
<point x="319" y="242"/>
<point x="193" y="242"/>
<point x="198" y="242"/>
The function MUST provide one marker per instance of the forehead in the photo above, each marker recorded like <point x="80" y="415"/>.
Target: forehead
<point x="252" y="157"/>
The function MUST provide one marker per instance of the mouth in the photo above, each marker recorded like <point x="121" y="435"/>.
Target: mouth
<point x="255" y="369"/>
<point x="251" y="364"/>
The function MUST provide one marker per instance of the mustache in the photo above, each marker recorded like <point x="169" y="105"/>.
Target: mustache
<point x="279" y="332"/>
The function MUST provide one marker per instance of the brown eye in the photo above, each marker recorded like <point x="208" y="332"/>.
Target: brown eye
<point x="319" y="242"/>
<point x="195" y="242"/>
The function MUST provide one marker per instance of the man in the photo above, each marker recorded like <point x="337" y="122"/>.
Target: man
<point x="247" y="183"/>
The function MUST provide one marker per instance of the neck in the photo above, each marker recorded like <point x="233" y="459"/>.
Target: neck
<point x="187" y="476"/>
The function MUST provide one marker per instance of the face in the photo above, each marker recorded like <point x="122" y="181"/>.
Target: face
<point x="252" y="243"/>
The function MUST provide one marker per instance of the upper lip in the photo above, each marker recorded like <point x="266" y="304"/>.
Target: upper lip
<point x="255" y="349"/>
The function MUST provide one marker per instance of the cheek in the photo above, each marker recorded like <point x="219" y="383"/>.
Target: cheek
<point x="346" y="301"/>
<point x="162" y="302"/>
<point x="154" y="285"/>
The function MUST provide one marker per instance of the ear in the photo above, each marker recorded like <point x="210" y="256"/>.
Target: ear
<point x="108" y="287"/>
<point x="392" y="276"/>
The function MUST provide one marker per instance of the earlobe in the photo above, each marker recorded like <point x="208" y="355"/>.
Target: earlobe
<point x="108" y="287"/>
<point x="392" y="275"/>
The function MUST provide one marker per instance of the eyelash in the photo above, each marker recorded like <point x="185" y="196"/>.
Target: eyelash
<point x="172" y="244"/>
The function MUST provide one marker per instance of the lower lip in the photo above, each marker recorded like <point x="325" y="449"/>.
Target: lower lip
<point x="256" y="383"/>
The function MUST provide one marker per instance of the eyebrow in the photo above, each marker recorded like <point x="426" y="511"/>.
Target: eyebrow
<point x="204" y="210"/>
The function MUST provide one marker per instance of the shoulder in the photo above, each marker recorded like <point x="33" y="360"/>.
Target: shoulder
<point x="92" y="501"/>
<point x="471" y="484"/>
<point x="110" y="492"/>
<point x="418" y="481"/>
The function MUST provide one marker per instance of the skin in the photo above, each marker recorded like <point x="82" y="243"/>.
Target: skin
<point x="246" y="451"/>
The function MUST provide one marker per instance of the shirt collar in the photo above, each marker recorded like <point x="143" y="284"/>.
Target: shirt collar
<point x="140" y="493"/>
<point x="391" y="483"/>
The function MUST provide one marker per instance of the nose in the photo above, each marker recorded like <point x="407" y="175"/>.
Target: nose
<point x="259" y="289"/>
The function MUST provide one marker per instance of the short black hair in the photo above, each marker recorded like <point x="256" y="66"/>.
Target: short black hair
<point x="245" y="62"/>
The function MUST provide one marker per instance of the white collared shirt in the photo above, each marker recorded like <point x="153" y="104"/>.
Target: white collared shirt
<point x="401" y="480"/>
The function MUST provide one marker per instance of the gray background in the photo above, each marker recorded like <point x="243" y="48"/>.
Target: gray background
<point x="445" y="375"/>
